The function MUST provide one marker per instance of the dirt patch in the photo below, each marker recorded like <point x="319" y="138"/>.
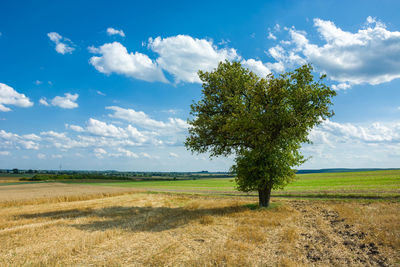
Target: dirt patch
<point x="330" y="240"/>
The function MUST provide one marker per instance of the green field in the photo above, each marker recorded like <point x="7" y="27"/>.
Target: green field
<point x="369" y="184"/>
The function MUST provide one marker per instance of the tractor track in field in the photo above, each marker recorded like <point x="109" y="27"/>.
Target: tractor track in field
<point x="329" y="240"/>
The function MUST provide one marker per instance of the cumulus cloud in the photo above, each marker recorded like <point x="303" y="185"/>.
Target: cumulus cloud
<point x="97" y="127"/>
<point x="373" y="133"/>
<point x="112" y="31"/>
<point x="108" y="130"/>
<point x="33" y="137"/>
<point x="182" y="56"/>
<point x="75" y="128"/>
<point x="370" y="55"/>
<point x="127" y="153"/>
<point x="67" y="101"/>
<point x="99" y="151"/>
<point x="11" y="140"/>
<point x="115" y="58"/>
<point x="142" y="119"/>
<point x="257" y="66"/>
<point x="63" y="45"/>
<point x="8" y="96"/>
<point x="354" y="145"/>
<point x="341" y="86"/>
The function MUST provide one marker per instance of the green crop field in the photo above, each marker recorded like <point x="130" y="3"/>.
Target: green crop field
<point x="353" y="184"/>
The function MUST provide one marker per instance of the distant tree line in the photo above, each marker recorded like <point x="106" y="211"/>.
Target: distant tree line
<point x="120" y="176"/>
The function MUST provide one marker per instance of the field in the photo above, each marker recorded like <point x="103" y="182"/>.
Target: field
<point x="370" y="184"/>
<point x="121" y="224"/>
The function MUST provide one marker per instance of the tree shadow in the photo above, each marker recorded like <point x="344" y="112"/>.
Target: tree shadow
<point x="137" y="219"/>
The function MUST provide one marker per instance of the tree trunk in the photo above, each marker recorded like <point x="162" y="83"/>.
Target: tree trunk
<point x="263" y="196"/>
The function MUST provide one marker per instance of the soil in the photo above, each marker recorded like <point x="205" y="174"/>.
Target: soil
<point x="332" y="241"/>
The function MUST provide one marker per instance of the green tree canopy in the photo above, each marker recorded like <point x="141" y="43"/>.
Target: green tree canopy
<point x="262" y="121"/>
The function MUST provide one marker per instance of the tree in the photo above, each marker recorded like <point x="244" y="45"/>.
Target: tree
<point x="262" y="121"/>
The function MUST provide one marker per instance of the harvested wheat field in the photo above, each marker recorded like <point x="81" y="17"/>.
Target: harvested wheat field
<point x="34" y="193"/>
<point x="143" y="229"/>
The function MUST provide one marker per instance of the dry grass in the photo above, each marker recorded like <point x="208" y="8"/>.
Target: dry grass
<point x="181" y="230"/>
<point x="6" y="179"/>
<point x="39" y="193"/>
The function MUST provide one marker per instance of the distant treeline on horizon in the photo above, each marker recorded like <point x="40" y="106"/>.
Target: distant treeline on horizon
<point x="200" y="174"/>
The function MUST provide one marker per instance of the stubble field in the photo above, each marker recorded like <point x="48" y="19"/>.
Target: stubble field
<point x="121" y="228"/>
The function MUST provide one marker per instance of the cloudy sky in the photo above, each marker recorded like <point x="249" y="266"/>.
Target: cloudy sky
<point x="108" y="85"/>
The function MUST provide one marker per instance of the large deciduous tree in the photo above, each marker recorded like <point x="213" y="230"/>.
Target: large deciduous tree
<point x="262" y="121"/>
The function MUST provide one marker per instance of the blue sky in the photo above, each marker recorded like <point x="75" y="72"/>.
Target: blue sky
<point x="108" y="85"/>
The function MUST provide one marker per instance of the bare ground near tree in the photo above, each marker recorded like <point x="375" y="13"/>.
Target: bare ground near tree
<point x="139" y="229"/>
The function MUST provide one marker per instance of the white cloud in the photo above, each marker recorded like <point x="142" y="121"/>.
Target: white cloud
<point x="330" y="132"/>
<point x="136" y="134"/>
<point x="173" y="155"/>
<point x="33" y="137"/>
<point x="373" y="133"/>
<point x="271" y="36"/>
<point x="341" y="86"/>
<point x="142" y="119"/>
<point x="75" y="128"/>
<point x="4" y="153"/>
<point x="97" y="127"/>
<point x="183" y="56"/>
<point x="54" y="134"/>
<point x="107" y="130"/>
<point x="100" y="93"/>
<point x="116" y="59"/>
<point x="128" y="153"/>
<point x="351" y="145"/>
<point x="63" y="45"/>
<point x="262" y="69"/>
<point x="56" y="156"/>
<point x="67" y="101"/>
<point x="99" y="151"/>
<point x="8" y="96"/>
<point x="37" y="82"/>
<point x="112" y="31"/>
<point x="257" y="67"/>
<point x="370" y="55"/>
<point x="44" y="102"/>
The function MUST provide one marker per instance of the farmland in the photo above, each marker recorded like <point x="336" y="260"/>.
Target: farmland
<point x="379" y="184"/>
<point x="202" y="222"/>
